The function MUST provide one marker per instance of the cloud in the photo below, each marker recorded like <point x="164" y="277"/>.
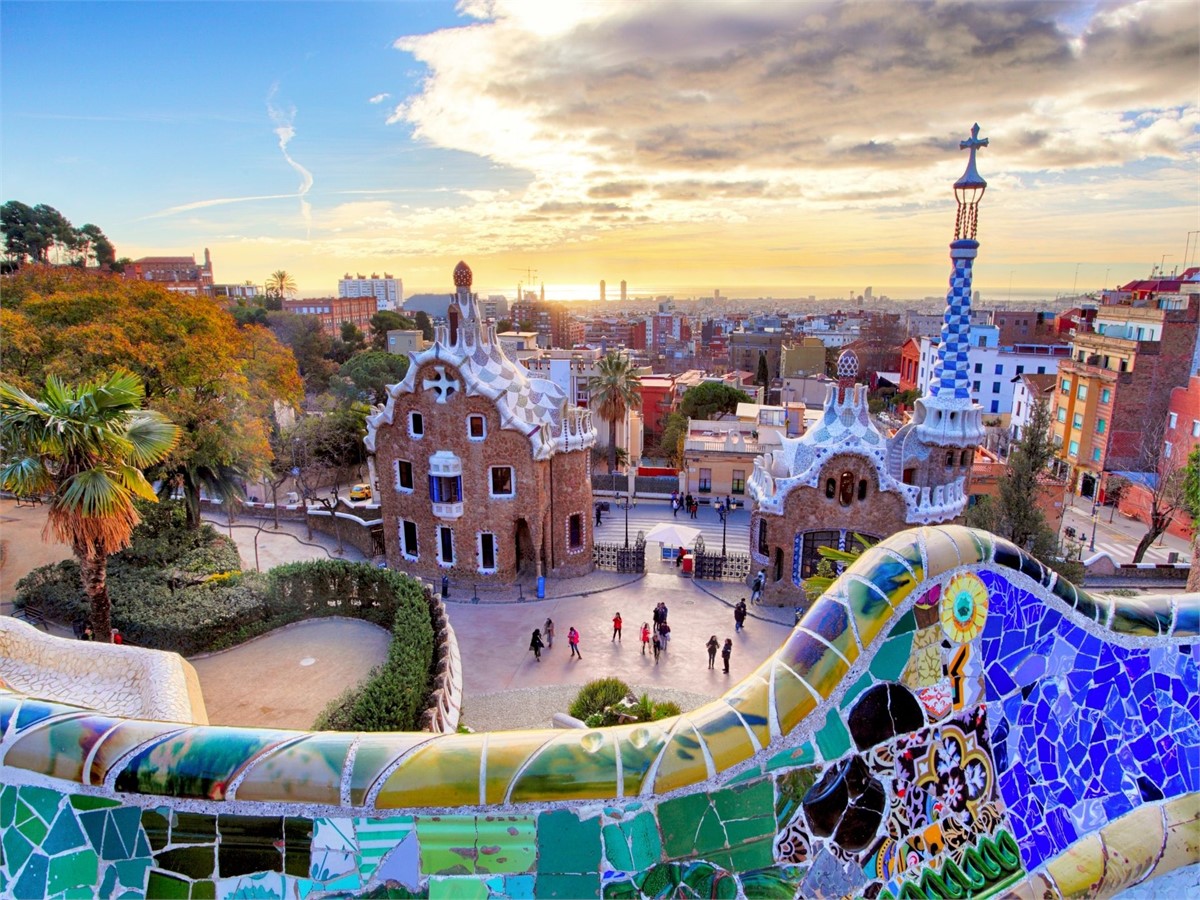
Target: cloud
<point x="379" y="98"/>
<point x="284" y="129"/>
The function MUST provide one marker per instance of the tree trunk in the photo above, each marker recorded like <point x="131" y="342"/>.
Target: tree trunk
<point x="191" y="504"/>
<point x="1193" y="582"/>
<point x="1144" y="544"/>
<point x="612" y="445"/>
<point x="93" y="571"/>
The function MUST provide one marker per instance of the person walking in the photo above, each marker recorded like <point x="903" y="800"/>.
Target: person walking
<point x="695" y="507"/>
<point x="720" y="510"/>
<point x="599" y="514"/>
<point x="674" y="507"/>
<point x="657" y="616"/>
<point x="739" y="615"/>
<point x="756" y="586"/>
<point x="664" y="634"/>
<point x="645" y="637"/>
<point x="713" y="645"/>
<point x="535" y="644"/>
<point x="548" y="632"/>
<point x="726" y="652"/>
<point x="657" y="647"/>
<point x="573" y="640"/>
<point x="616" y="628"/>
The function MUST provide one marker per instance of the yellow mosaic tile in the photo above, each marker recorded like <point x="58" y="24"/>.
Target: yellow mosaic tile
<point x="577" y="765"/>
<point x="1133" y="844"/>
<point x="888" y="571"/>
<point x="906" y="546"/>
<point x="1079" y="870"/>
<point x="723" y="733"/>
<point x="1037" y="886"/>
<point x="640" y="746"/>
<point x="682" y="761"/>
<point x="793" y="701"/>
<point x="970" y="546"/>
<point x="815" y="662"/>
<point x="752" y="697"/>
<point x="871" y="610"/>
<point x="1182" y="818"/>
<point x="830" y="620"/>
<point x="58" y="748"/>
<point x="941" y="552"/>
<point x="506" y="752"/>
<point x="309" y="771"/>
<point x="443" y="772"/>
<point x="375" y="753"/>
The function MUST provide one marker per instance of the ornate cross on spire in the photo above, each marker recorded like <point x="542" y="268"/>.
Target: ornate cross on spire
<point x="968" y="190"/>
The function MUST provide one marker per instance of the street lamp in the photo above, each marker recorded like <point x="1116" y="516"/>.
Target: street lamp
<point x="624" y="503"/>
<point x="725" y="523"/>
<point x="1092" y="545"/>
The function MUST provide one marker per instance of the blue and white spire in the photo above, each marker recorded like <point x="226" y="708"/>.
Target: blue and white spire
<point x="947" y="416"/>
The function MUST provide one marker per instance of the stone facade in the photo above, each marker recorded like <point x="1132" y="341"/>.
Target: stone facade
<point x="484" y="472"/>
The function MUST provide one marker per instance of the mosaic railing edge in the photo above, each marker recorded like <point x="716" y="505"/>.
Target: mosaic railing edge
<point x="804" y="677"/>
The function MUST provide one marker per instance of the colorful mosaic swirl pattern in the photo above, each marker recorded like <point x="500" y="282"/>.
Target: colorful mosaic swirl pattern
<point x="950" y="718"/>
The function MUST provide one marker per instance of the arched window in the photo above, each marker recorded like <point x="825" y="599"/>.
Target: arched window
<point x="966" y="457"/>
<point x="830" y="488"/>
<point x="862" y="489"/>
<point x="950" y="458"/>
<point x="846" y="488"/>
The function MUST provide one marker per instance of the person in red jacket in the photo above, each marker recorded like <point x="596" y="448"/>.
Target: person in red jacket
<point x="616" y="627"/>
<point x="573" y="640"/>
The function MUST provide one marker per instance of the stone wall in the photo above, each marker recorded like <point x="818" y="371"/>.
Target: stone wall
<point x="949" y="719"/>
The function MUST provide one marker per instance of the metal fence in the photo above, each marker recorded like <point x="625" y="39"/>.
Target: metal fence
<point x="618" y="558"/>
<point x="719" y="567"/>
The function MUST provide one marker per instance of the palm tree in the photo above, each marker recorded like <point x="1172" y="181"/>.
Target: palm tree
<point x="86" y="445"/>
<point x="1191" y="502"/>
<point x="616" y="389"/>
<point x="281" y="284"/>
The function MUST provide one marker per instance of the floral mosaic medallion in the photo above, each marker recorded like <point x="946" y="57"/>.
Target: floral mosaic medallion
<point x="964" y="607"/>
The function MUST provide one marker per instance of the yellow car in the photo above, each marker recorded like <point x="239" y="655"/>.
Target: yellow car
<point x="360" y="492"/>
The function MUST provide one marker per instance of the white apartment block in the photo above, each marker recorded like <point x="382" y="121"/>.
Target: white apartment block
<point x="387" y="291"/>
<point x="992" y="368"/>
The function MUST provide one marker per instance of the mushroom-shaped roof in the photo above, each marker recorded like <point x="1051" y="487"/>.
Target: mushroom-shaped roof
<point x="462" y="275"/>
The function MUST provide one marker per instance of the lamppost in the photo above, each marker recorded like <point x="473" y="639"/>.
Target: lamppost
<point x="624" y="503"/>
<point x="1092" y="545"/>
<point x="725" y="523"/>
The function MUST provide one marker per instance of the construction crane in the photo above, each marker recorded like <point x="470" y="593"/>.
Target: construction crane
<point x="530" y="276"/>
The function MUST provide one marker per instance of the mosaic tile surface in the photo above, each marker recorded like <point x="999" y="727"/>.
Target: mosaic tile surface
<point x="950" y="720"/>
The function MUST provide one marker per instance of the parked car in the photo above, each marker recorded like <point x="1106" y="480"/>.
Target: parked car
<point x="360" y="492"/>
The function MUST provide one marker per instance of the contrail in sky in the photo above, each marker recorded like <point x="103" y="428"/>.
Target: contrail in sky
<point x="285" y="131"/>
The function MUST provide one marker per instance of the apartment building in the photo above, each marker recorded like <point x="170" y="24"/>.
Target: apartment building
<point x="388" y="291"/>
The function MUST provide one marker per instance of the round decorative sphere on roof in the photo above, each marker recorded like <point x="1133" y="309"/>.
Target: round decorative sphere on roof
<point x="462" y="275"/>
<point x="847" y="366"/>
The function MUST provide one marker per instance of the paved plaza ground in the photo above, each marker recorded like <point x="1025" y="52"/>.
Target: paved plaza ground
<point x="295" y="671"/>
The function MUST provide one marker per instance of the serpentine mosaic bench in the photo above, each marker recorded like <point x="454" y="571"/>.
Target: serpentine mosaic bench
<point x="949" y="719"/>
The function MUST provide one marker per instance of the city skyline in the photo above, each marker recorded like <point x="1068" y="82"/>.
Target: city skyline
<point x="762" y="150"/>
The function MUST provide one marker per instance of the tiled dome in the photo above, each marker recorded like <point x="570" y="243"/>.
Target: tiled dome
<point x="462" y="275"/>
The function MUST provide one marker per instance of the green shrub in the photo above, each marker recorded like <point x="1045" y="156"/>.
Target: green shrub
<point x="596" y="696"/>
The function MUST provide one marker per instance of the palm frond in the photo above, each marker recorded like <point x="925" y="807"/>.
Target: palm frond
<point x="151" y="437"/>
<point x="25" y="477"/>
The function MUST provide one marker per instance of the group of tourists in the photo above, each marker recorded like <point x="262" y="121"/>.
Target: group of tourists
<point x="543" y="639"/>
<point x="726" y="652"/>
<point x="688" y="504"/>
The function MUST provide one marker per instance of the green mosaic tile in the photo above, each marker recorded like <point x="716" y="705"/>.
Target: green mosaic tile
<point x="108" y="886"/>
<point x="64" y="835"/>
<point x="905" y="624"/>
<point x="126" y="825"/>
<point x="755" y="855"/>
<point x="43" y="802"/>
<point x="132" y="873"/>
<point x="569" y="887"/>
<point x="194" y="862"/>
<point x="833" y="739"/>
<point x="204" y="890"/>
<point x="92" y="823"/>
<point x="709" y="836"/>
<point x="577" y="765"/>
<point x="616" y="849"/>
<point x="892" y="656"/>
<point x="703" y="879"/>
<point x="447" y="845"/>
<point x="297" y="846"/>
<point x="458" y="889"/>
<point x="163" y="886"/>
<point x="31" y="885"/>
<point x="748" y="775"/>
<point x="249" y="844"/>
<point x="157" y="827"/>
<point x="852" y="692"/>
<point x="751" y="802"/>
<point x="17" y="848"/>
<point x="72" y="870"/>
<point x="679" y="819"/>
<point x="660" y="881"/>
<point x="193" y="828"/>
<point x="790" y="788"/>
<point x="798" y="756"/>
<point x="642" y="831"/>
<point x="84" y="802"/>
<point x="28" y="823"/>
<point x="567" y="844"/>
<point x="507" y="845"/>
<point x="8" y="805"/>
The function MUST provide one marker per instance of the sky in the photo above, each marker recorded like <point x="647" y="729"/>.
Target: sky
<point x="761" y="149"/>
